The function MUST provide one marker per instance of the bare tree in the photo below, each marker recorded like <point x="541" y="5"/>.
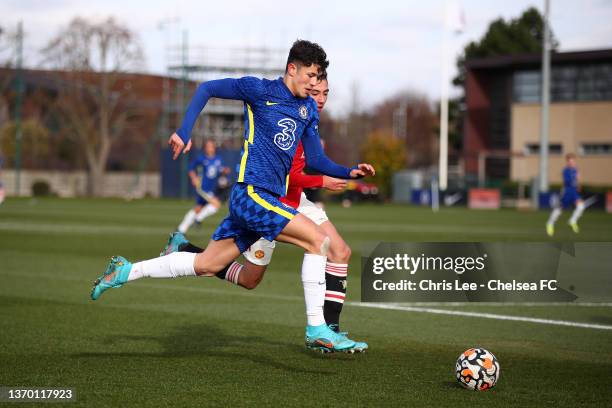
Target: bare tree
<point x="94" y="100"/>
<point x="419" y="127"/>
<point x="8" y="45"/>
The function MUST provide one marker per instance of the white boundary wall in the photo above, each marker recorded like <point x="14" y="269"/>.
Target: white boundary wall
<point x="74" y="183"/>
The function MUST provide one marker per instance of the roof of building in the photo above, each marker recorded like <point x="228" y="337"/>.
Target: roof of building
<point x="535" y="60"/>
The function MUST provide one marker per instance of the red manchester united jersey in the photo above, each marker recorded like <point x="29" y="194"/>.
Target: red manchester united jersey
<point x="298" y="181"/>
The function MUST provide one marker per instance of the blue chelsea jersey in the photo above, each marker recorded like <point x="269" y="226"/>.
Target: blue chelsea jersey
<point x="208" y="170"/>
<point x="570" y="178"/>
<point x="275" y="121"/>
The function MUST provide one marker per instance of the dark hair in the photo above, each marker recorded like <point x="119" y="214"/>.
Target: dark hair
<point x="307" y="53"/>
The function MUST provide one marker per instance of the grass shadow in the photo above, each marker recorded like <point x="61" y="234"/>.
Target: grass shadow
<point x="207" y="340"/>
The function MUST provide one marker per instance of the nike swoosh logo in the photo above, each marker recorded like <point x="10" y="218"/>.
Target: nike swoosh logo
<point x="322" y="283"/>
<point x="268" y="103"/>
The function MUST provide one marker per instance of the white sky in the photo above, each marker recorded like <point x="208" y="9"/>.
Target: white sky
<point x="382" y="46"/>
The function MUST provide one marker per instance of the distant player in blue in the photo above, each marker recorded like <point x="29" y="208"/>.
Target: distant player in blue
<point x="278" y="115"/>
<point x="204" y="172"/>
<point x="570" y="197"/>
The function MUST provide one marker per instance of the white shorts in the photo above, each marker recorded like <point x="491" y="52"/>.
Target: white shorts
<point x="260" y="253"/>
<point x="310" y="209"/>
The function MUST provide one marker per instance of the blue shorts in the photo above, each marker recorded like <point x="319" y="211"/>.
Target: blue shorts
<point x="569" y="197"/>
<point x="253" y="213"/>
<point x="201" y="200"/>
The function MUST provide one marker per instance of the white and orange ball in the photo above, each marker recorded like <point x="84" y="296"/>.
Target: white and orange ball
<point x="477" y="369"/>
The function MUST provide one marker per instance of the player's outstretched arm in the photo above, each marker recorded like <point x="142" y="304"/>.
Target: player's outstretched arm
<point x="317" y="160"/>
<point x="244" y="89"/>
<point x="334" y="184"/>
<point x="193" y="177"/>
<point x="298" y="178"/>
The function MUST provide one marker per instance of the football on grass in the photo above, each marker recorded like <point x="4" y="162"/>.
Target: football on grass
<point x="477" y="369"/>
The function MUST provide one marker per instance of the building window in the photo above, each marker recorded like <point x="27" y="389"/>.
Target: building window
<point x="534" y="148"/>
<point x="595" y="149"/>
<point x="526" y="86"/>
<point x="568" y="83"/>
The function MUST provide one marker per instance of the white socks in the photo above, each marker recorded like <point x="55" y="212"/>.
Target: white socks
<point x="189" y="218"/>
<point x="313" y="279"/>
<point x="192" y="217"/>
<point x="206" y="212"/>
<point x="577" y="213"/>
<point x="556" y="212"/>
<point x="554" y="215"/>
<point x="170" y="266"/>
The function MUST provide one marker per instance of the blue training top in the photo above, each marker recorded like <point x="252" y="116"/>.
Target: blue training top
<point x="208" y="170"/>
<point x="570" y="178"/>
<point x="275" y="121"/>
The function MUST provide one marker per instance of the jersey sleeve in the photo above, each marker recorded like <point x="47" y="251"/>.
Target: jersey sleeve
<point x="297" y="178"/>
<point x="247" y="89"/>
<point x="251" y="89"/>
<point x="315" y="156"/>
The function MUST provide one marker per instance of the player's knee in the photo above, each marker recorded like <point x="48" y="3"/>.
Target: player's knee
<point x="205" y="271"/>
<point x="322" y="243"/>
<point x="318" y="243"/>
<point x="204" y="267"/>
<point x="340" y="252"/>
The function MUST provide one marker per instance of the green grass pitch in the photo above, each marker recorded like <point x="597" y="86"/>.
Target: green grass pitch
<point x="204" y="342"/>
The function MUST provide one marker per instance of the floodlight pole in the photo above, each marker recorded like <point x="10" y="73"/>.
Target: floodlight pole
<point x="443" y="159"/>
<point x="544" y="125"/>
<point x="18" y="105"/>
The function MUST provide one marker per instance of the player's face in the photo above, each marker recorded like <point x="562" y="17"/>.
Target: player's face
<point x="303" y="78"/>
<point x="319" y="94"/>
<point x="210" y="149"/>
<point x="571" y="162"/>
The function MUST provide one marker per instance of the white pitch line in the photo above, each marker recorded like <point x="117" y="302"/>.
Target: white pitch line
<point x="509" y="304"/>
<point x="482" y="315"/>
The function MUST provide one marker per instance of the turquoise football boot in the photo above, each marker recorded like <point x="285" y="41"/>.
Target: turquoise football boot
<point x="174" y="244"/>
<point x="115" y="275"/>
<point x="359" y="347"/>
<point x="325" y="340"/>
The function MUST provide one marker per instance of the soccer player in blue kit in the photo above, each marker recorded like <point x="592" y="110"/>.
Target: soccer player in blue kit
<point x="278" y="114"/>
<point x="204" y="172"/>
<point x="257" y="258"/>
<point x="570" y="196"/>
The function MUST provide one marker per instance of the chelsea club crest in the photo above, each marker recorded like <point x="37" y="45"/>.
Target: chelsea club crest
<point x="303" y="112"/>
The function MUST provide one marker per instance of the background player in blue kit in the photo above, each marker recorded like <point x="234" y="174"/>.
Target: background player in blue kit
<point x="570" y="196"/>
<point x="204" y="172"/>
<point x="278" y="115"/>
